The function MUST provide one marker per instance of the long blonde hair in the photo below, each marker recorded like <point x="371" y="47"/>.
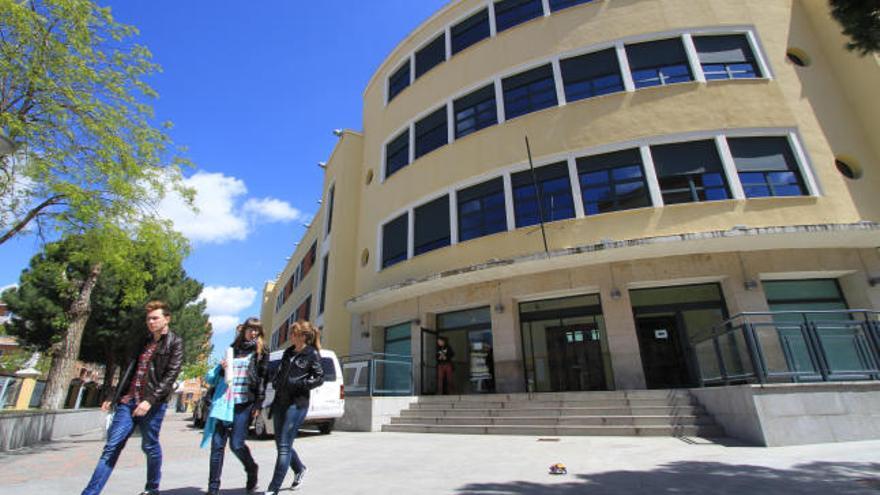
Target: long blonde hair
<point x="309" y="331"/>
<point x="255" y="323"/>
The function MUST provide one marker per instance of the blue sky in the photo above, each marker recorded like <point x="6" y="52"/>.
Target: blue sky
<point x="254" y="89"/>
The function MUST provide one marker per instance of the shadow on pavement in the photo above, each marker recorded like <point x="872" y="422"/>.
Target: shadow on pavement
<point x="189" y="490"/>
<point x="816" y="478"/>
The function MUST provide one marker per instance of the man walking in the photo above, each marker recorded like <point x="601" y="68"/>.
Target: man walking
<point x="140" y="400"/>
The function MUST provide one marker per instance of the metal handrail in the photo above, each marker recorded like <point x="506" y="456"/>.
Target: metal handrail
<point x="813" y="349"/>
<point x="371" y="362"/>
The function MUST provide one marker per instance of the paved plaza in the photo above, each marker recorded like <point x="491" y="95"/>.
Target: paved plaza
<point x="400" y="463"/>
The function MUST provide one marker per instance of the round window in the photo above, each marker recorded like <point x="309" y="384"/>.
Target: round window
<point x="369" y="177"/>
<point x="797" y="57"/>
<point x="365" y="257"/>
<point x="848" y="168"/>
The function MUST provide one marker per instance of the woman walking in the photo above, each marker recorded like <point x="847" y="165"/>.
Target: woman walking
<point x="299" y="373"/>
<point x="239" y="387"/>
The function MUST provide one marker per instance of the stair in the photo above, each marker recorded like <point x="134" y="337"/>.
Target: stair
<point x="619" y="413"/>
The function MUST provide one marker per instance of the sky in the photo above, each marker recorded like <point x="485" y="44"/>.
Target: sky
<point x="254" y="89"/>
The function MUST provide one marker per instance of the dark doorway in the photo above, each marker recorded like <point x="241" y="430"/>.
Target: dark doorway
<point x="668" y="322"/>
<point x="575" y="354"/>
<point x="663" y="354"/>
<point x="429" y="362"/>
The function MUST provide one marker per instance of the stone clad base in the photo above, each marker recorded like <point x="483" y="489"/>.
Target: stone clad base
<point x="24" y="429"/>
<point x="370" y="413"/>
<point x="776" y="415"/>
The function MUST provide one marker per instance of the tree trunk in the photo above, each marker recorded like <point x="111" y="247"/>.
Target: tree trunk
<point x="109" y="371"/>
<point x="65" y="352"/>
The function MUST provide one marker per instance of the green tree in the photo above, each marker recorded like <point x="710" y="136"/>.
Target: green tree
<point x="861" y="23"/>
<point x="53" y="301"/>
<point x="114" y="329"/>
<point x="73" y="99"/>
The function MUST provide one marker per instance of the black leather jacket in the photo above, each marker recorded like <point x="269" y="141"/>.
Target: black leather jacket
<point x="298" y="374"/>
<point x="162" y="373"/>
<point x="257" y="375"/>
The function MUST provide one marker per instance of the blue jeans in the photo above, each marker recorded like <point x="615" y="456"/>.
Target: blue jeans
<point x="238" y="429"/>
<point x="120" y="429"/>
<point x="287" y="423"/>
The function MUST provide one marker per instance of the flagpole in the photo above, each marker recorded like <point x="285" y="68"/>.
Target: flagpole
<point x="539" y="196"/>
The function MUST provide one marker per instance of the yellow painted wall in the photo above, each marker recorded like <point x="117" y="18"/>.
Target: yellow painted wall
<point x="811" y="101"/>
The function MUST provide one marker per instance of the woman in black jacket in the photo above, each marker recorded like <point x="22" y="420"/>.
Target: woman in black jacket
<point x="299" y="373"/>
<point x="240" y="402"/>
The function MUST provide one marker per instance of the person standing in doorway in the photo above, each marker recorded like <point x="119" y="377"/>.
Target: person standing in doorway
<point x="300" y="371"/>
<point x="233" y="405"/>
<point x="140" y="399"/>
<point x="445" y="368"/>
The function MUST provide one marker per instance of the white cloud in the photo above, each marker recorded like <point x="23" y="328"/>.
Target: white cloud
<point x="223" y="305"/>
<point x="227" y="300"/>
<point x="272" y="210"/>
<point x="223" y="212"/>
<point x="223" y="323"/>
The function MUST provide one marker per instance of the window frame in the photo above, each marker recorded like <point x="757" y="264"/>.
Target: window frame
<point x="404" y="67"/>
<point x="439" y="129"/>
<point x="399" y="258"/>
<point x="516" y="19"/>
<point x="612" y="182"/>
<point x="529" y="96"/>
<point x="522" y="180"/>
<point x="484" y="231"/>
<point x="464" y="20"/>
<point x="479" y="123"/>
<point x="419" y="249"/>
<point x="404" y="135"/>
<point x="430" y="45"/>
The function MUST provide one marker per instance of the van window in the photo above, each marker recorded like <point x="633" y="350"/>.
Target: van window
<point x="329" y="369"/>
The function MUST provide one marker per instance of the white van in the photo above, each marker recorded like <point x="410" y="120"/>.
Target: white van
<point x="326" y="402"/>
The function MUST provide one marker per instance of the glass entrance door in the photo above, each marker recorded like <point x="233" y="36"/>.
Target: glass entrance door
<point x="668" y="320"/>
<point x="564" y="345"/>
<point x="468" y="334"/>
<point x="663" y="353"/>
<point x="575" y="358"/>
<point x="429" y="362"/>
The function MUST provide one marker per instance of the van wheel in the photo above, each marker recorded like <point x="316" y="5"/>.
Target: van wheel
<point x="326" y="428"/>
<point x="260" y="427"/>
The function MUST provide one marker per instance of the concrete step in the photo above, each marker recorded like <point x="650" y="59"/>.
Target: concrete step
<point x="555" y="421"/>
<point x="528" y="404"/>
<point x="560" y="411"/>
<point x="534" y="430"/>
<point x="559" y="396"/>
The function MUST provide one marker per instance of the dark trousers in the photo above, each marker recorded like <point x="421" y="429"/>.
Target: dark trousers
<point x="120" y="429"/>
<point x="287" y="423"/>
<point x="236" y="431"/>
<point x="445" y="378"/>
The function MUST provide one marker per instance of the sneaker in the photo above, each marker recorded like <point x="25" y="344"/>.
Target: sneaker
<point x="252" y="479"/>
<point x="298" y="479"/>
<point x="149" y="492"/>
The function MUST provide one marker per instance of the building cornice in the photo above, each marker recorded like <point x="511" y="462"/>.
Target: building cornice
<point x="851" y="235"/>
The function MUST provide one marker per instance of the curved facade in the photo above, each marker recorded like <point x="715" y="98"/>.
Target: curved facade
<point x="575" y="193"/>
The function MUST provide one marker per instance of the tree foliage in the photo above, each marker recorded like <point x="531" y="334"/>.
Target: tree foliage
<point x="73" y="98"/>
<point x="53" y="301"/>
<point x="861" y="23"/>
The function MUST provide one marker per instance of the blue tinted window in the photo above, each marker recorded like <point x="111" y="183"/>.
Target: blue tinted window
<point x="551" y="182"/>
<point x="656" y="63"/>
<point x="726" y="57"/>
<point x="529" y="92"/>
<point x="398" y="81"/>
<point x="481" y="210"/>
<point x="564" y="4"/>
<point x="394" y="240"/>
<point x="431" y="132"/>
<point x="431" y="226"/>
<point x="470" y="31"/>
<point x="475" y="111"/>
<point x="690" y="172"/>
<point x="590" y="75"/>
<point x="509" y="13"/>
<point x="766" y="167"/>
<point x="613" y="181"/>
<point x="397" y="154"/>
<point x="431" y="55"/>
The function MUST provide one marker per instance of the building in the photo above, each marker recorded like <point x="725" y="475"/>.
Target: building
<point x="692" y="162"/>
